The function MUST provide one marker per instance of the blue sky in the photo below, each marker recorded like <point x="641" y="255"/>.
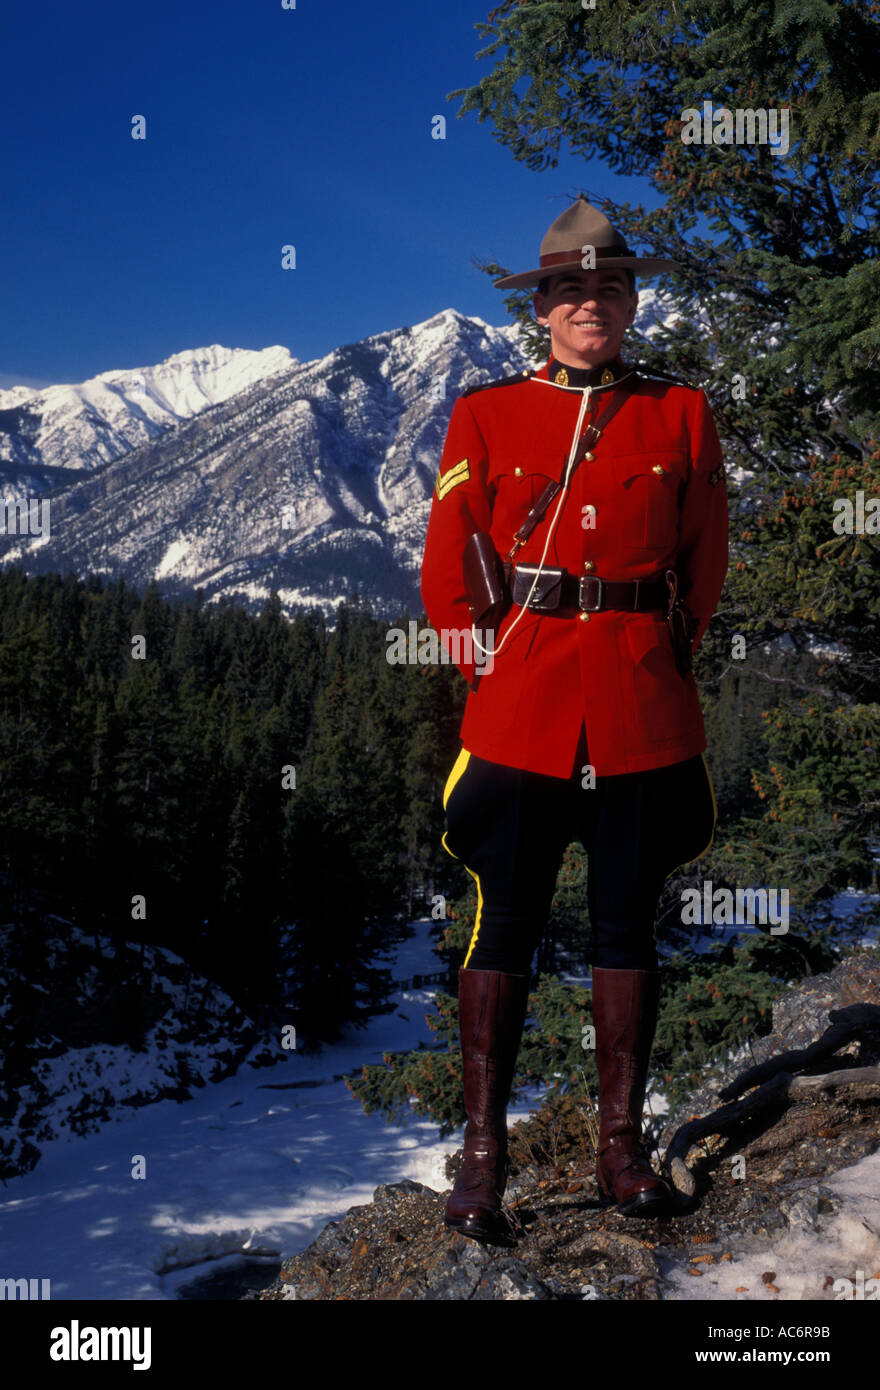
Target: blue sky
<point x="265" y="127"/>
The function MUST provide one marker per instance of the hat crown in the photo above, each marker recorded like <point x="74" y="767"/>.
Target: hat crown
<point x="581" y="225"/>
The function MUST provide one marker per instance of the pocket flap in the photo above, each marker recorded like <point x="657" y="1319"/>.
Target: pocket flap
<point x="665" y="465"/>
<point x="647" y="636"/>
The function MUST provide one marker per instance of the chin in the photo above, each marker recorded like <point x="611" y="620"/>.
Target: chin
<point x="590" y="349"/>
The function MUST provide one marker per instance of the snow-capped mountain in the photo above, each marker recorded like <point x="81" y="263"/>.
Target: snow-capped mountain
<point x="250" y="472"/>
<point x="81" y="427"/>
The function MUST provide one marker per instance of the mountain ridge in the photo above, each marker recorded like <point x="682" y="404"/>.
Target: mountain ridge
<point x="314" y="479"/>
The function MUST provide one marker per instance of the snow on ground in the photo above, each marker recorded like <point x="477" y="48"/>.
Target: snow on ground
<point x="806" y="1262"/>
<point x="254" y="1165"/>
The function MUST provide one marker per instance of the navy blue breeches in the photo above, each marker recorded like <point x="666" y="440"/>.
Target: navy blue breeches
<point x="510" y="829"/>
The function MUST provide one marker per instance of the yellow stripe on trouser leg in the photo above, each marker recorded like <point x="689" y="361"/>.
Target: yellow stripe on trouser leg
<point x="477" y="919"/>
<point x="459" y="766"/>
<point x="455" y="775"/>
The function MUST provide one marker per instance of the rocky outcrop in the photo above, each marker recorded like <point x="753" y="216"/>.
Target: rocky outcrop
<point x="779" y="1202"/>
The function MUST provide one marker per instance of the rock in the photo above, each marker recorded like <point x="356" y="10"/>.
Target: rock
<point x="805" y="1209"/>
<point x="511" y="1282"/>
<point x="358" y="1258"/>
<point x="390" y="1192"/>
<point x="800" y="1015"/>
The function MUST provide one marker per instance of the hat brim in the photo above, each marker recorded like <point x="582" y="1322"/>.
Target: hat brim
<point x="639" y="265"/>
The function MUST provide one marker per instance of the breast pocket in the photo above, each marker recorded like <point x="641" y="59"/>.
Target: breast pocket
<point x="516" y="492"/>
<point x="651" y="484"/>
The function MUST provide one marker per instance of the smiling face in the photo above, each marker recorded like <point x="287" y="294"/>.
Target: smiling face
<point x="587" y="312"/>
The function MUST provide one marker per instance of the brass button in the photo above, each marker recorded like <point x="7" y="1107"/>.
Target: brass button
<point x="517" y="472"/>
<point x="658" y="469"/>
<point x="584" y="617"/>
<point x="588" y="458"/>
<point x="588" y="565"/>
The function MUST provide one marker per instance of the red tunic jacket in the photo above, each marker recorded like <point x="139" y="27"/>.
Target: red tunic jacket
<point x="652" y="498"/>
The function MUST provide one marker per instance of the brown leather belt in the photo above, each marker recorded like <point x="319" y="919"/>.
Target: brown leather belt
<point x="558" y="592"/>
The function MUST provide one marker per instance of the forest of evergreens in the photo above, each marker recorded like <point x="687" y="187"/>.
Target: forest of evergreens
<point x="262" y="796"/>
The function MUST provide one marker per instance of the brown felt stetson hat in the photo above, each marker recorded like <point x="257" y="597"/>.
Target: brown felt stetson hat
<point x="565" y="240"/>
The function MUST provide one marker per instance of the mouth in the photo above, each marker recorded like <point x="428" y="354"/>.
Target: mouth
<point x="587" y="323"/>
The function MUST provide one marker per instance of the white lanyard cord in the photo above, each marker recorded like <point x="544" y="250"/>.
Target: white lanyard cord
<point x="585" y="400"/>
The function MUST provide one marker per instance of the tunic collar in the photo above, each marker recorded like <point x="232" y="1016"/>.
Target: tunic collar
<point x="561" y="374"/>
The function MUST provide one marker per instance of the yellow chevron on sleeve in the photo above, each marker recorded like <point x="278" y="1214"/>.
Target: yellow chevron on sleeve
<point x="459" y="473"/>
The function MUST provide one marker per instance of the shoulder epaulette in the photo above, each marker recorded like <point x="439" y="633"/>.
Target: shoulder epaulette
<point x="652" y="373"/>
<point x="503" y="381"/>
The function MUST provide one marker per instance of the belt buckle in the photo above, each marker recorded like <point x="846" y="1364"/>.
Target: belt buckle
<point x="590" y="579"/>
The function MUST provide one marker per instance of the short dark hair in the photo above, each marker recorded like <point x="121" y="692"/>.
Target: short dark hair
<point x="542" y="284"/>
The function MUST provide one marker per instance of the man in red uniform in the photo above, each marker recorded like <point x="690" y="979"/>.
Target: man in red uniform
<point x="584" y="724"/>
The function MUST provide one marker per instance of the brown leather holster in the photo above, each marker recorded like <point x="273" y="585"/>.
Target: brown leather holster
<point x="486" y="581"/>
<point x="682" y="627"/>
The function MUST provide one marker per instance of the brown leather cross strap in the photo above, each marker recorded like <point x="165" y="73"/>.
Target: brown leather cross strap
<point x="588" y="441"/>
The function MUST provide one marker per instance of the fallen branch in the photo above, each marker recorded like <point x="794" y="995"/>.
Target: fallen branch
<point x="858" y="1023"/>
<point x="718" y="1122"/>
<point x="782" y="1087"/>
<point x="867" y="1079"/>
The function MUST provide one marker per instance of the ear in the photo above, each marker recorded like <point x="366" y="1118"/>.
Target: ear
<point x="633" y="307"/>
<point x="539" y="306"/>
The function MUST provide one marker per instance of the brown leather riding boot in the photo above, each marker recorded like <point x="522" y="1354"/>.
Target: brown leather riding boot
<point x="625" y="1006"/>
<point x="491" y="1012"/>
